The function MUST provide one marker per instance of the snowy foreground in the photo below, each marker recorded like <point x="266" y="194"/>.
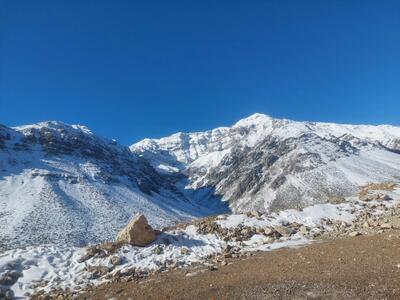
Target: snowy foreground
<point x="53" y="267"/>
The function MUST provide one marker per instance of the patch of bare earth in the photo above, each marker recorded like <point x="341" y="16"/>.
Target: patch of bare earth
<point x="349" y="261"/>
<point x="362" y="267"/>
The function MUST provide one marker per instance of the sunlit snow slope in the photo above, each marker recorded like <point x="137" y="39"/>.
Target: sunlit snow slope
<point x="270" y="164"/>
<point x="62" y="184"/>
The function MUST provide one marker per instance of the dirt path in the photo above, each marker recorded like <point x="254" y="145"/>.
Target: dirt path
<point x="363" y="267"/>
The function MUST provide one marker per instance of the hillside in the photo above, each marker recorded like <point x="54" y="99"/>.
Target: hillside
<point x="268" y="164"/>
<point x="62" y="184"/>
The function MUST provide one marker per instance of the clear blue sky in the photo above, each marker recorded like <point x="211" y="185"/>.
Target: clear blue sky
<point x="135" y="69"/>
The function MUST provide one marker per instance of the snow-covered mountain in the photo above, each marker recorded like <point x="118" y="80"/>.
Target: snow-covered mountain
<point x="63" y="184"/>
<point x="268" y="164"/>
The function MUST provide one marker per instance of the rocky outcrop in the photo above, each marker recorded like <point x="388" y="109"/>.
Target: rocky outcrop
<point x="6" y="293"/>
<point x="138" y="232"/>
<point x="267" y="164"/>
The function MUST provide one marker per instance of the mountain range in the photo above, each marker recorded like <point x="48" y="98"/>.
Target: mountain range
<point x="63" y="184"/>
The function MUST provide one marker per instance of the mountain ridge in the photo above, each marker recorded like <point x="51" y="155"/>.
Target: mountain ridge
<point x="62" y="183"/>
<point x="207" y="156"/>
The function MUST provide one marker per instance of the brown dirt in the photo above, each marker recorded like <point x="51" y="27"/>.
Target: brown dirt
<point x="363" y="267"/>
<point x="371" y="187"/>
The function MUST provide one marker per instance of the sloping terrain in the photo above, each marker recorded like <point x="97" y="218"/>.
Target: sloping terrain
<point x="269" y="164"/>
<point x="206" y="245"/>
<point x="364" y="267"/>
<point x="62" y="184"/>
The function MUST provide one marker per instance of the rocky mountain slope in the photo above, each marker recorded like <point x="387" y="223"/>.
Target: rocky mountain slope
<point x="261" y="163"/>
<point x="204" y="245"/>
<point x="62" y="184"/>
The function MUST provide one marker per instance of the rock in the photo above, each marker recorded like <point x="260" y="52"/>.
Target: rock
<point x="138" y="232"/>
<point x="354" y="233"/>
<point x="337" y="200"/>
<point x="116" y="260"/>
<point x="284" y="231"/>
<point x="166" y="241"/>
<point x="97" y="271"/>
<point x="383" y="197"/>
<point x="374" y="197"/>
<point x="260" y="230"/>
<point x="128" y="272"/>
<point x="254" y="214"/>
<point x="268" y="231"/>
<point x="227" y="255"/>
<point x="6" y="293"/>
<point x="386" y="226"/>
<point x="9" y="278"/>
<point x="158" y="250"/>
<point x="303" y="230"/>
<point x="92" y="252"/>
<point x="213" y="268"/>
<point x="184" y="251"/>
<point x="268" y="240"/>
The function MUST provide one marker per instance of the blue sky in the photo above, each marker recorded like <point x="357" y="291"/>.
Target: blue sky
<point x="135" y="69"/>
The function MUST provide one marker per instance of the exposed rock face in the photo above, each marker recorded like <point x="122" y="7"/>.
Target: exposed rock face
<point x="62" y="184"/>
<point x="78" y="188"/>
<point x="6" y="293"/>
<point x="138" y="232"/>
<point x="266" y="164"/>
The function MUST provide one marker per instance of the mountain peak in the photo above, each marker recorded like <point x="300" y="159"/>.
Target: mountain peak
<point x="254" y="119"/>
<point x="55" y="125"/>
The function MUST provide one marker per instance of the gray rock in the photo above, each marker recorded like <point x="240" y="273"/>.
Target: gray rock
<point x="6" y="293"/>
<point x="116" y="260"/>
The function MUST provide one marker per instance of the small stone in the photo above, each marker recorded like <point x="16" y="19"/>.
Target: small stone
<point x="354" y="233"/>
<point x="268" y="231"/>
<point x="303" y="229"/>
<point x="260" y="230"/>
<point x="284" y="231"/>
<point x="115" y="260"/>
<point x="255" y="214"/>
<point x="383" y="197"/>
<point x="227" y="255"/>
<point x="97" y="271"/>
<point x="157" y="250"/>
<point x="386" y="226"/>
<point x="268" y="240"/>
<point x="213" y="268"/>
<point x="184" y="251"/>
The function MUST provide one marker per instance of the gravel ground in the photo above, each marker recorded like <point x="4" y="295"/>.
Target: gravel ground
<point x="362" y="267"/>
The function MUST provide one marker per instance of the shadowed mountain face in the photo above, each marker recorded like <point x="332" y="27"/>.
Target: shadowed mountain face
<point x="270" y="164"/>
<point x="62" y="184"/>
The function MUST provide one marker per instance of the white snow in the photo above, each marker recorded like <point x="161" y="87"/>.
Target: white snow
<point x="57" y="266"/>
<point x="192" y="149"/>
<point x="309" y="216"/>
<point x="332" y="169"/>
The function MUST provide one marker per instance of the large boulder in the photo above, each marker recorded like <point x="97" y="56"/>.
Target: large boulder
<point x="138" y="232"/>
